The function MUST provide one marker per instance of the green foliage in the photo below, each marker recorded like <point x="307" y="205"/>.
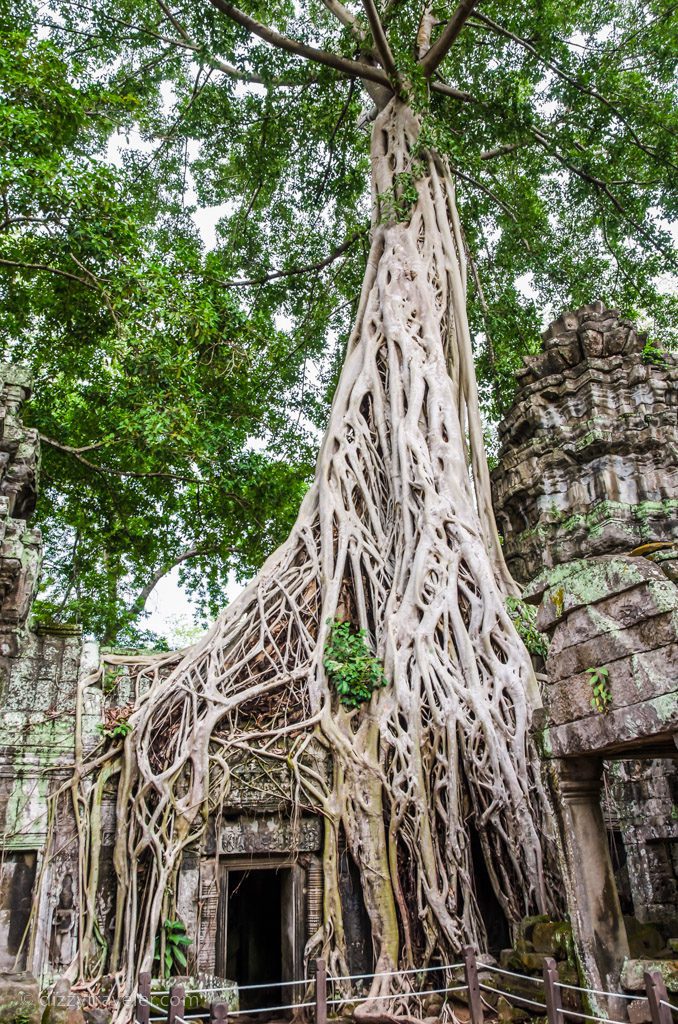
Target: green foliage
<point x="351" y="667"/>
<point x="602" y="697"/>
<point x="118" y="730"/>
<point x="396" y="204"/>
<point x="524" y="617"/>
<point x="653" y="355"/>
<point x="174" y="941"/>
<point x="186" y="402"/>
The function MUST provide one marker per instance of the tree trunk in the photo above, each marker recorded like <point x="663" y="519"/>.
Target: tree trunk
<point x="397" y="535"/>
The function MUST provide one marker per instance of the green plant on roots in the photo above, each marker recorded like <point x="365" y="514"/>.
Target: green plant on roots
<point x="121" y="729"/>
<point x="351" y="667"/>
<point x="175" y="944"/>
<point x="524" y="617"/>
<point x="602" y="696"/>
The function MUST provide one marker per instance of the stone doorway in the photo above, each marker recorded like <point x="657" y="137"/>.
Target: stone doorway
<point x="261" y="929"/>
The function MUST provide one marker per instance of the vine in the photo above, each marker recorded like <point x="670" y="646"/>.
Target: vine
<point x="602" y="695"/>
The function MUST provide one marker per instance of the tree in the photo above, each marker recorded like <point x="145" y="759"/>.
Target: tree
<point x="153" y="384"/>
<point x="559" y="140"/>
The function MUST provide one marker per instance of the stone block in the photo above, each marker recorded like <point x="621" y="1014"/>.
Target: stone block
<point x="617" y="612"/>
<point x="630" y="681"/>
<point x="527" y="925"/>
<point x="639" y="1011"/>
<point x="97" y="1016"/>
<point x="553" y="939"/>
<point x="633" y="971"/>
<point x="646" y="635"/>
<point x="596" y="732"/>
<point x="645" y="940"/>
<point x="506" y="1012"/>
<point x="19" y="999"/>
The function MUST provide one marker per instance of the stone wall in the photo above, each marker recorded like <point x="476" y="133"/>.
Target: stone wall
<point x="588" y="461"/>
<point x="586" y="499"/>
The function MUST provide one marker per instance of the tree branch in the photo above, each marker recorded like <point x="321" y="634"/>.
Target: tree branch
<point x="75" y="452"/>
<point x="437" y="53"/>
<point x="50" y="270"/>
<point x="565" y="77"/>
<point x="457" y="94"/>
<point x="344" y="16"/>
<point x="137" y="606"/>
<point x="599" y="184"/>
<point x="380" y="40"/>
<point x="295" y="271"/>
<point x="354" y="68"/>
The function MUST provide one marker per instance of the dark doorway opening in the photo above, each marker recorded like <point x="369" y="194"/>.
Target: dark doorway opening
<point x="494" y="919"/>
<point x="254" y="935"/>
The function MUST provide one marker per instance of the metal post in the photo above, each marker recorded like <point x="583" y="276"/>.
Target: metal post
<point x="143" y="999"/>
<point x="320" y="991"/>
<point x="656" y="995"/>
<point x="554" y="1003"/>
<point x="218" y="1012"/>
<point x="177" y="1001"/>
<point x="475" y="1002"/>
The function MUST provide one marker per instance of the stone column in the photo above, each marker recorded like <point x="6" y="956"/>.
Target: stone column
<point x="597" y="921"/>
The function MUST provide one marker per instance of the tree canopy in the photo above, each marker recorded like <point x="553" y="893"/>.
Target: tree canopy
<point x="177" y="387"/>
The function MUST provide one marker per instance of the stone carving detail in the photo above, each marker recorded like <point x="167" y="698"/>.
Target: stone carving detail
<point x="589" y="452"/>
<point x="271" y="835"/>
<point x="20" y="547"/>
<point x="265" y="785"/>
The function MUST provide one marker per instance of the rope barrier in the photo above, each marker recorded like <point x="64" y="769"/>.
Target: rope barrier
<point x="662" y="1002"/>
<point x="242" y="988"/>
<point x="511" y="974"/>
<point x="391" y="974"/>
<point x="598" y="991"/>
<point x="400" y="995"/>
<point x="589" y="1016"/>
<point x="510" y="995"/>
<point x="269" y="1009"/>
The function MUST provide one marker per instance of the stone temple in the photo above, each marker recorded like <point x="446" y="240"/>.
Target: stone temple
<point x="586" y="498"/>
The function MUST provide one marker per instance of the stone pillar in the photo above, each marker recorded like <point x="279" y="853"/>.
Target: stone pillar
<point x="597" y="922"/>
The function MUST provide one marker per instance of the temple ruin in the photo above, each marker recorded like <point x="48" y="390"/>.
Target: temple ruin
<point x="585" y="497"/>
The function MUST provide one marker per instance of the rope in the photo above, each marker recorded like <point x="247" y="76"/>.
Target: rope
<point x="399" y="995"/>
<point x="598" y="991"/>
<point x="662" y="1002"/>
<point x="588" y="1016"/>
<point x="241" y="988"/>
<point x="511" y="974"/>
<point x="510" y="996"/>
<point x="391" y="974"/>
<point x="269" y="1009"/>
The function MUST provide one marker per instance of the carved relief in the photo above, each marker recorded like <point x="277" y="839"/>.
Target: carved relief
<point x="271" y="835"/>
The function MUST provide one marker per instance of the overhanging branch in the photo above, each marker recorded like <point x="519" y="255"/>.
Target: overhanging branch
<point x="354" y="68"/>
<point x="380" y="40"/>
<point x="437" y="53"/>
<point x="139" y="603"/>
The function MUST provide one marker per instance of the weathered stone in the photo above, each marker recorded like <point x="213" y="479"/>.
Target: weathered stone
<point x="19" y="999"/>
<point x="553" y="939"/>
<point x="631" y="680"/>
<point x="644" y="939"/>
<point x="639" y="1011"/>
<point x="589" y="451"/>
<point x="97" y="1016"/>
<point x="632" y="976"/>
<point x="506" y="1012"/>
